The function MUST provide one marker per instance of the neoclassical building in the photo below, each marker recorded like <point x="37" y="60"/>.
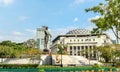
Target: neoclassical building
<point x="78" y="40"/>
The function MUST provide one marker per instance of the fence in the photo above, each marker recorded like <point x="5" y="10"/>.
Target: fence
<point x="80" y="70"/>
<point x="59" y="70"/>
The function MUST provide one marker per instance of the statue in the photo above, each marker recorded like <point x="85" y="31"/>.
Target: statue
<point x="47" y="37"/>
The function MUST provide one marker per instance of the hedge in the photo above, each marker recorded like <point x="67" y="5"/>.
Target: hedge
<point x="18" y="65"/>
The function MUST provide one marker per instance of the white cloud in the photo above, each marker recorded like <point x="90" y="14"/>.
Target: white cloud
<point x="94" y="18"/>
<point x="6" y="2"/>
<point x="23" y="18"/>
<point x="78" y="2"/>
<point x="17" y="33"/>
<point x="15" y="38"/>
<point x="75" y="19"/>
<point x="31" y="30"/>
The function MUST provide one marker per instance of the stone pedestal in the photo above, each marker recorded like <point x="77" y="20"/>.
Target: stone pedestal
<point x="46" y="51"/>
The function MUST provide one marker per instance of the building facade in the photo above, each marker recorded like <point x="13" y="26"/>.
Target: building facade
<point x="78" y="40"/>
<point x="40" y="38"/>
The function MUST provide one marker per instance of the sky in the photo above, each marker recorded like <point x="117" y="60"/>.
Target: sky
<point x="20" y="18"/>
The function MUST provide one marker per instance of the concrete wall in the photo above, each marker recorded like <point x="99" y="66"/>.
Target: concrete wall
<point x="48" y="60"/>
<point x="45" y="59"/>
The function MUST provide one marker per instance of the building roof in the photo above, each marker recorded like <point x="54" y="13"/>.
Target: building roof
<point x="78" y="32"/>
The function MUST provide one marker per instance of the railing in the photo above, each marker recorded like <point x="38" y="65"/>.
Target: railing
<point x="80" y="70"/>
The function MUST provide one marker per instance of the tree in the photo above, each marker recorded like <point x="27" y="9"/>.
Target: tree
<point x="62" y="49"/>
<point x="31" y="43"/>
<point x="34" y="53"/>
<point x="107" y="52"/>
<point x="7" y="43"/>
<point x="109" y="19"/>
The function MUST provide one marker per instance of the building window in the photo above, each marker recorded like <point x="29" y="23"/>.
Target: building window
<point x="70" y="47"/>
<point x="104" y="41"/>
<point x="70" y="40"/>
<point x="93" y="39"/>
<point x="78" y="47"/>
<point x="74" y="40"/>
<point x="74" y="47"/>
<point x="79" y="53"/>
<point x="81" y="39"/>
<point x="90" y="47"/>
<point x="60" y="42"/>
<point x="82" y="47"/>
<point x="89" y="39"/>
<point x="70" y="52"/>
<point x="86" y="39"/>
<point x="78" y="40"/>
<point x="86" y="47"/>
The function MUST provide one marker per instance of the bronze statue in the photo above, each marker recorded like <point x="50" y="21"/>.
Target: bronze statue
<point x="47" y="37"/>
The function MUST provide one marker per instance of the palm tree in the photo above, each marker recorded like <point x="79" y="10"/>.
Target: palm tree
<point x="62" y="49"/>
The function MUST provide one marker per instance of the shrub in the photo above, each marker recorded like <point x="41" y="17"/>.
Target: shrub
<point x="18" y="65"/>
<point x="41" y="70"/>
<point x="118" y="64"/>
<point x="96" y="66"/>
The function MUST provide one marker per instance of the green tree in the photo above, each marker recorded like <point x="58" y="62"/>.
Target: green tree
<point x="62" y="49"/>
<point x="34" y="53"/>
<point x="107" y="52"/>
<point x="7" y="43"/>
<point x="31" y="43"/>
<point x="109" y="19"/>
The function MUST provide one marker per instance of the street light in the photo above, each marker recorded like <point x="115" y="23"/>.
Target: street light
<point x="60" y="47"/>
<point x="61" y="59"/>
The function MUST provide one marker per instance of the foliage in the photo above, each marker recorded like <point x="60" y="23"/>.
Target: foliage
<point x="31" y="43"/>
<point x="7" y="43"/>
<point x="18" y="65"/>
<point x="41" y="70"/>
<point x="109" y="53"/>
<point x="10" y="49"/>
<point x="76" y="68"/>
<point x="118" y="64"/>
<point x="110" y="17"/>
<point x="106" y="53"/>
<point x="62" y="49"/>
<point x="96" y="66"/>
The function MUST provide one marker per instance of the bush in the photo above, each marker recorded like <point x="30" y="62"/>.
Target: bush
<point x="41" y="70"/>
<point x="118" y="64"/>
<point x="96" y="66"/>
<point x="18" y="65"/>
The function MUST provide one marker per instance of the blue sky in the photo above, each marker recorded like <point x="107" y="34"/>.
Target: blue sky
<point x="20" y="18"/>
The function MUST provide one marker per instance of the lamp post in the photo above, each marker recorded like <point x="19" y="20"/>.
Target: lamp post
<point x="60" y="53"/>
<point x="61" y="59"/>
